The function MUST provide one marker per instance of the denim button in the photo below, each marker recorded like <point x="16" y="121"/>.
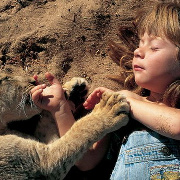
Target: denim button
<point x="166" y="151"/>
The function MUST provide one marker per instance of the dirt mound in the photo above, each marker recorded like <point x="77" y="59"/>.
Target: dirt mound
<point x="68" y="38"/>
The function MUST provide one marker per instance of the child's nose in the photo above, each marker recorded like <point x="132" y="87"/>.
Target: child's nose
<point x="138" y="53"/>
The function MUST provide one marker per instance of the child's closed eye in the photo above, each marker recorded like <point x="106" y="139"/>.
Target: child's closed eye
<point x="154" y="48"/>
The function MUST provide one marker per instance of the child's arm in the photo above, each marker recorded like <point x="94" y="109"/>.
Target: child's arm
<point x="158" y="117"/>
<point x="52" y="99"/>
<point x="97" y="152"/>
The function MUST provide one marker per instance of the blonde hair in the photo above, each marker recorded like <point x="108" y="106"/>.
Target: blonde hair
<point x="162" y="20"/>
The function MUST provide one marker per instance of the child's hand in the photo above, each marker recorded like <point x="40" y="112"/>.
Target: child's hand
<point x="51" y="97"/>
<point x="94" y="97"/>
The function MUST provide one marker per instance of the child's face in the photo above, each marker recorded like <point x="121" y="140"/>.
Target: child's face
<point x="155" y="63"/>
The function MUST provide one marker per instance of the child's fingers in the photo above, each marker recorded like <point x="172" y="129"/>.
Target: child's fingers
<point x="51" y="78"/>
<point x="36" y="96"/>
<point x="98" y="92"/>
<point x="88" y="106"/>
<point x="36" y="79"/>
<point x="92" y="100"/>
<point x="94" y="97"/>
<point x="42" y="86"/>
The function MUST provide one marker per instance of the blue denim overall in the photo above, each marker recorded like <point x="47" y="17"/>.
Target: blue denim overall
<point x="146" y="155"/>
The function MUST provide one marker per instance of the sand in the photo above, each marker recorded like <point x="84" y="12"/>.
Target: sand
<point x="65" y="37"/>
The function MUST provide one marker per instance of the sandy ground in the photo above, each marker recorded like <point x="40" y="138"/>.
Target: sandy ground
<point x="66" y="37"/>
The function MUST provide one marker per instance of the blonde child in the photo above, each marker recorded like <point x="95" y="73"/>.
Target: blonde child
<point x="152" y="147"/>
